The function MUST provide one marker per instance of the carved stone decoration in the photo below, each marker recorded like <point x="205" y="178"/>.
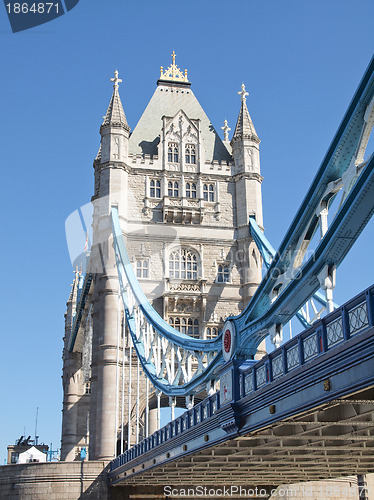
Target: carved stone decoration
<point x="184" y="287"/>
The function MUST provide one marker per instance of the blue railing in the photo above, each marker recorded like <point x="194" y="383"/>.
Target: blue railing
<point x="325" y="334"/>
<point x="352" y="318"/>
<point x="188" y="420"/>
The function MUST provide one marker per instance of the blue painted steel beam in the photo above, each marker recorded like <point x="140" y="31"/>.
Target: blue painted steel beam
<point x="335" y="163"/>
<point x="343" y="232"/>
<point x="268" y="253"/>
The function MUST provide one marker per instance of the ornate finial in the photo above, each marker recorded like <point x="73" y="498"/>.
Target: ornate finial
<point x="116" y="80"/>
<point x="226" y="129"/>
<point x="243" y="93"/>
<point x="173" y="73"/>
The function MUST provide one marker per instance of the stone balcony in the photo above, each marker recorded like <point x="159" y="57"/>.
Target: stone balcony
<point x="183" y="210"/>
<point x="180" y="210"/>
<point x="188" y="288"/>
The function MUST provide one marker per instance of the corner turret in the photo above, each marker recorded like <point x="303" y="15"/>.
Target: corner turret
<point x="245" y="141"/>
<point x="114" y="130"/>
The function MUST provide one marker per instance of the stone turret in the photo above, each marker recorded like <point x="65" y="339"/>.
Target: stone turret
<point x="245" y="142"/>
<point x="246" y="153"/>
<point x="111" y="188"/>
<point x="114" y="129"/>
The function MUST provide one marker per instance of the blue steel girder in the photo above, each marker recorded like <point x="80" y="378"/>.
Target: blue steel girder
<point x="268" y="253"/>
<point x="343" y="232"/>
<point x="286" y="267"/>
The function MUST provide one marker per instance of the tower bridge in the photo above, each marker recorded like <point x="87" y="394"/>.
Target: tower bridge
<point x="173" y="305"/>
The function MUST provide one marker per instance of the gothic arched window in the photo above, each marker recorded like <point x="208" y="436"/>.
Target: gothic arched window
<point x="208" y="192"/>
<point x="191" y="190"/>
<point x="155" y="189"/>
<point x="183" y="264"/>
<point x="190" y="153"/>
<point x="173" y="189"/>
<point x="173" y="152"/>
<point x="223" y="275"/>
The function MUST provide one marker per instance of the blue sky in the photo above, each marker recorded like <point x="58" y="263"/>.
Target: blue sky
<point x="301" y="61"/>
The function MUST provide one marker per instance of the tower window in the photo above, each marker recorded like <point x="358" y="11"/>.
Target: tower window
<point x="173" y="152"/>
<point x="211" y="332"/>
<point x="190" y="153"/>
<point x="191" y="190"/>
<point x="183" y="264"/>
<point x="173" y="189"/>
<point x="155" y="189"/>
<point x="142" y="268"/>
<point x="189" y="326"/>
<point x="208" y="192"/>
<point x="223" y="275"/>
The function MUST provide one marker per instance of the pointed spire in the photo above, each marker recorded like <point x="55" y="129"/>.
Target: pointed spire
<point x="244" y="126"/>
<point x="115" y="114"/>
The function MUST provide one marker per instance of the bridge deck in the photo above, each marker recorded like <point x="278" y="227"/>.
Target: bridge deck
<point x="313" y="421"/>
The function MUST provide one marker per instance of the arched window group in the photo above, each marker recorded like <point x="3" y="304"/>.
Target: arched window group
<point x="208" y="192"/>
<point x="173" y="152"/>
<point x="155" y="189"/>
<point x="189" y="326"/>
<point x="183" y="264"/>
<point x="191" y="191"/>
<point x="190" y="154"/>
<point x="173" y="189"/>
<point x="223" y="275"/>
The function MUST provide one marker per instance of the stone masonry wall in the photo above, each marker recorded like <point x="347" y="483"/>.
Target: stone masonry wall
<point x="54" y="481"/>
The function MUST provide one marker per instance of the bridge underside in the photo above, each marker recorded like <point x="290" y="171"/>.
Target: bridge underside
<point x="333" y="440"/>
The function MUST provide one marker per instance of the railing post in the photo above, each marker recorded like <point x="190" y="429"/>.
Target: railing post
<point x="271" y="376"/>
<point x="370" y="306"/>
<point x="268" y="368"/>
<point x="345" y="322"/>
<point x="300" y="348"/>
<point x="254" y="375"/>
<point x="284" y="361"/>
<point x="319" y="337"/>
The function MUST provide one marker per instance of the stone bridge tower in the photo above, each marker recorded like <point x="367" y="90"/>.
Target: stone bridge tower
<point x="184" y="198"/>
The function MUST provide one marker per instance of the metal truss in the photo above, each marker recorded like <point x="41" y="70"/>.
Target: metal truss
<point x="177" y="364"/>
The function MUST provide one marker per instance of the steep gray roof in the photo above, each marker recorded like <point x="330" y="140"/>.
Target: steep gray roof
<point x="167" y="101"/>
